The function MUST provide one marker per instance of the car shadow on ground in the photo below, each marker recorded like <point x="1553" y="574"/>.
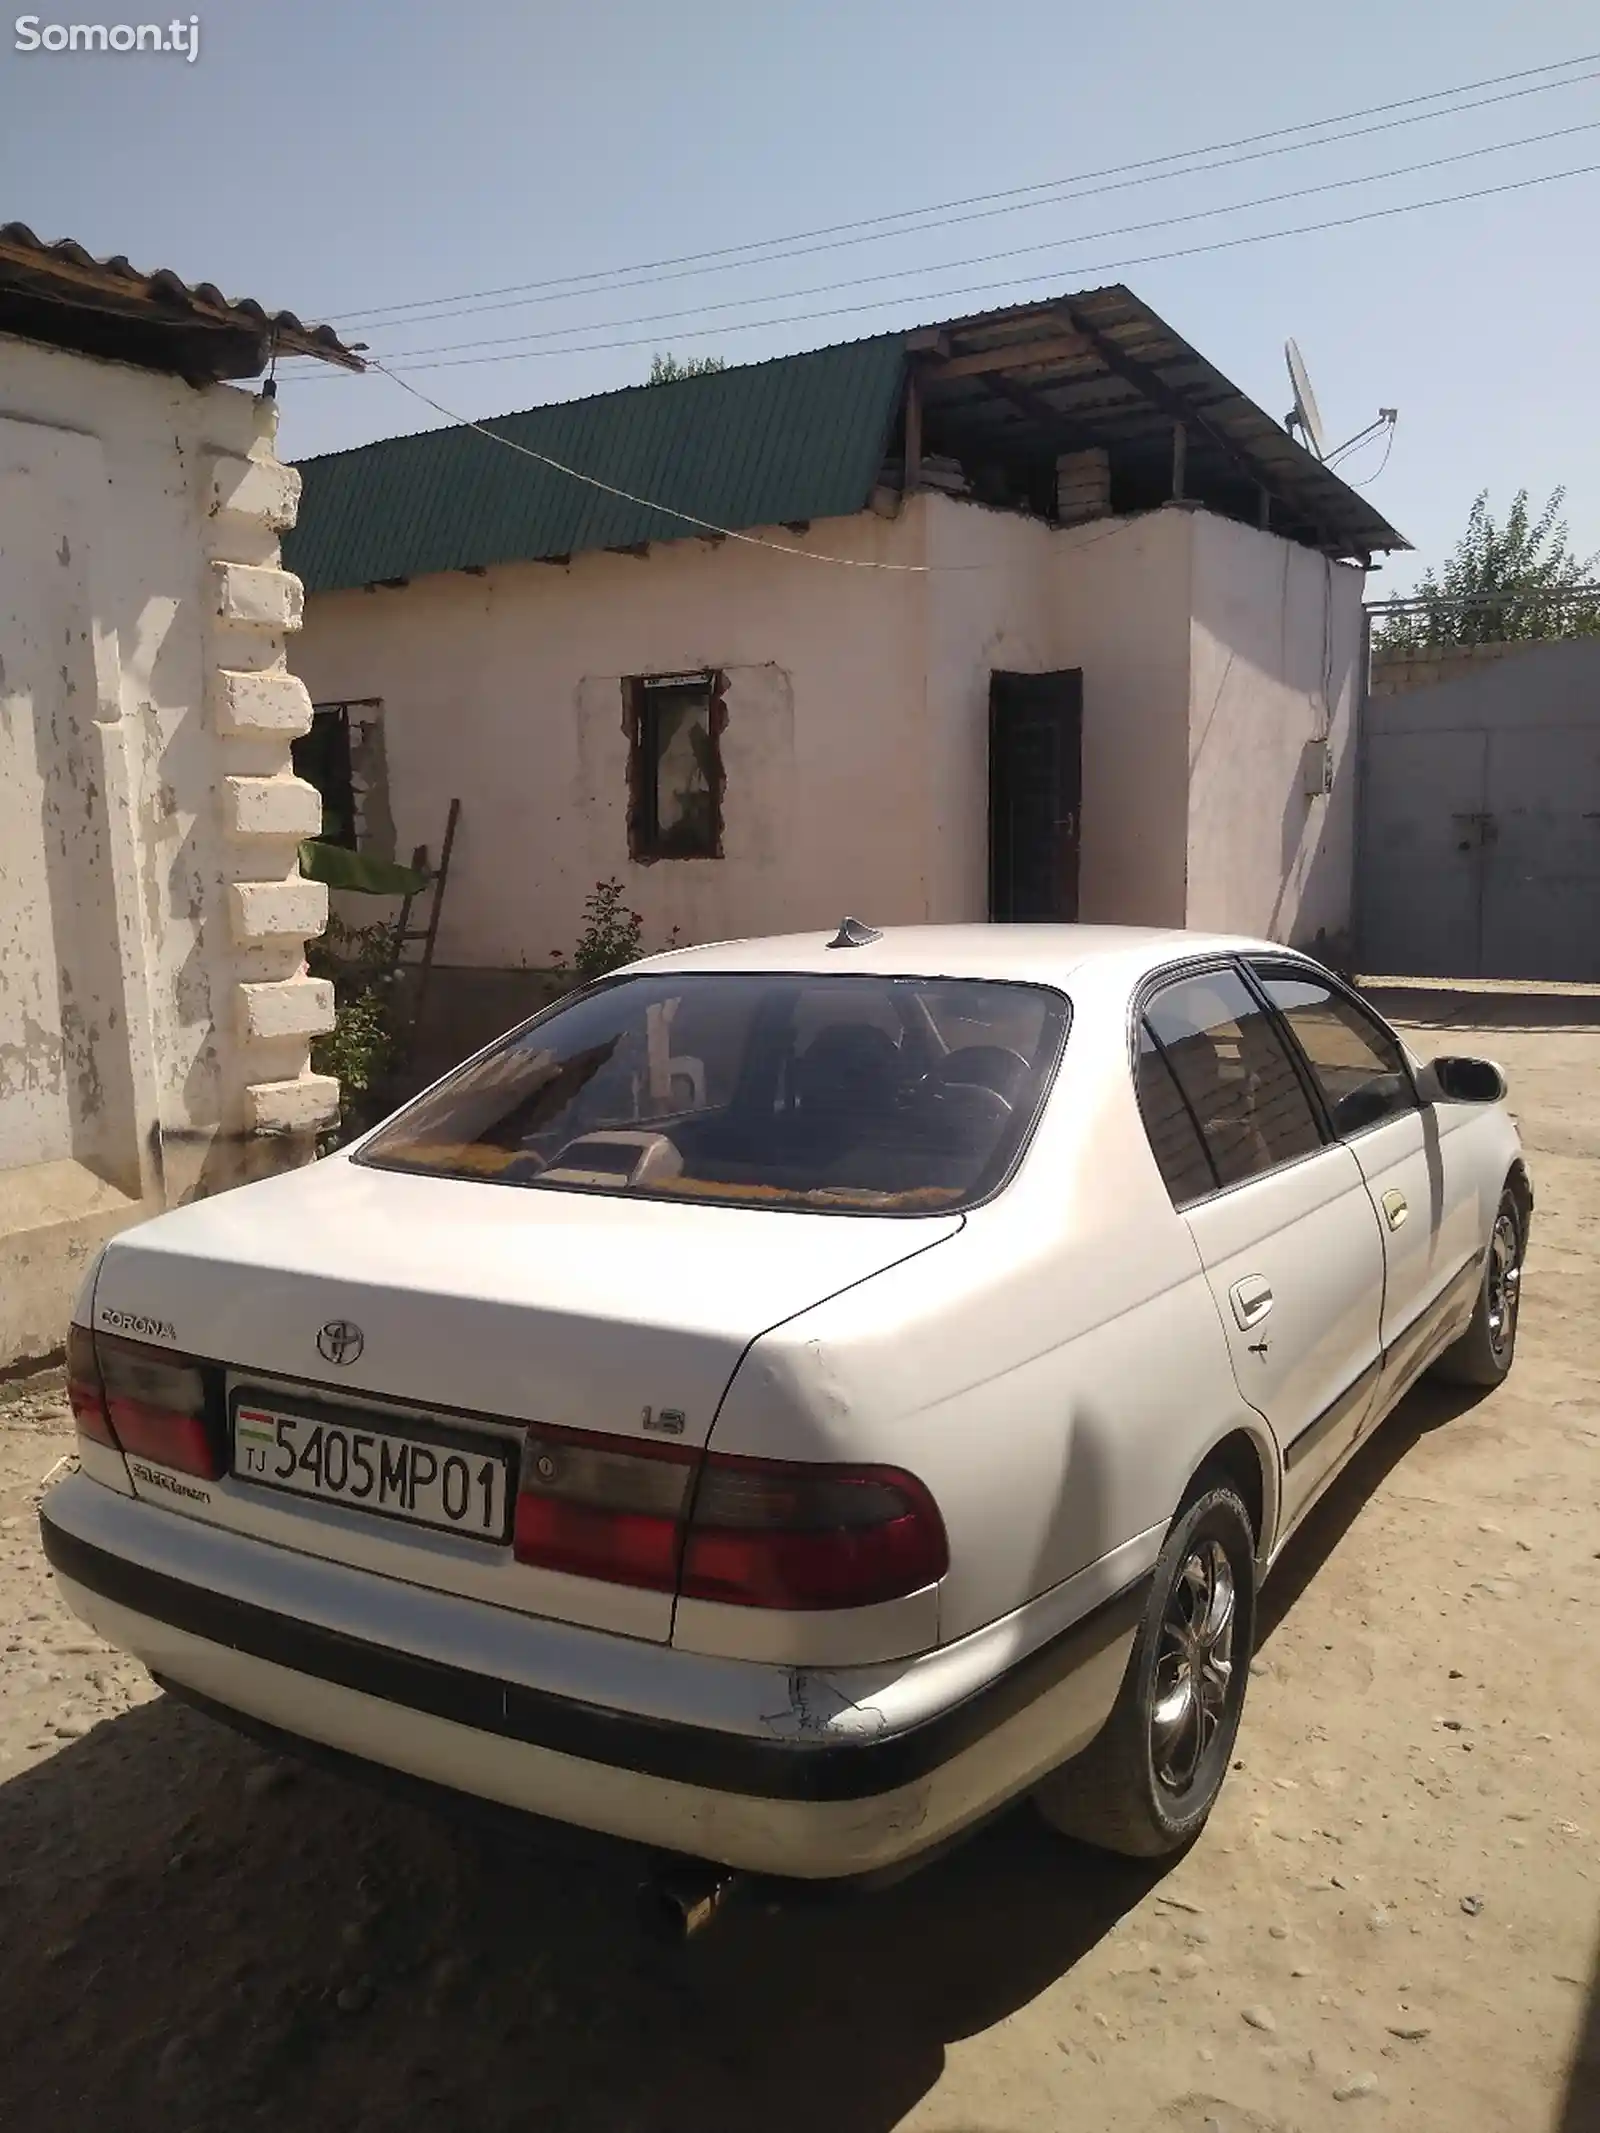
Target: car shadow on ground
<point x="1427" y="1408"/>
<point x="1581" y="2110"/>
<point x="194" y="1935"/>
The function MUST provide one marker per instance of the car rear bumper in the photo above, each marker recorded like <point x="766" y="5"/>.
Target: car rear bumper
<point x="803" y="1774"/>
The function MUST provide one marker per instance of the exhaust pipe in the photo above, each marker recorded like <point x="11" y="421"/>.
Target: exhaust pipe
<point x="682" y="1900"/>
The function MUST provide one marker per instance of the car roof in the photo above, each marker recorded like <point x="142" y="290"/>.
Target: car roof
<point x="1026" y="953"/>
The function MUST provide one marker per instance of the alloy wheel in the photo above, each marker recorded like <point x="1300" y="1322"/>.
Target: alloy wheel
<point x="1194" y="1665"/>
<point x="1504" y="1281"/>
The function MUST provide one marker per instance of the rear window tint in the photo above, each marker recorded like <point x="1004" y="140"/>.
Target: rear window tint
<point x="868" y="1094"/>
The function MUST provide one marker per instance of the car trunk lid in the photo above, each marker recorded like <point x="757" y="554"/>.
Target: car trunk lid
<point x="451" y="1314"/>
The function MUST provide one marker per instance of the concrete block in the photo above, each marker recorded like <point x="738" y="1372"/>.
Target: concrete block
<point x="1083" y="485"/>
<point x="298" y="1106"/>
<point x="277" y="910"/>
<point x="285" y="1007"/>
<point x="257" y="597"/>
<point x="262" y="489"/>
<point x="273" y="702"/>
<point x="272" y="807"/>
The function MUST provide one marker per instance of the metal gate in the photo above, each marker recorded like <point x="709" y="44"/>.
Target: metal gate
<point x="1478" y="848"/>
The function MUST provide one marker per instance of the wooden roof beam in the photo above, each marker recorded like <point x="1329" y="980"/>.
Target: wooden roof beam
<point x="1063" y="430"/>
<point x="1148" y="381"/>
<point x="1016" y="355"/>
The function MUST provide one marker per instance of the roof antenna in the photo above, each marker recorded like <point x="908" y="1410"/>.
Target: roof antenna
<point x="852" y="934"/>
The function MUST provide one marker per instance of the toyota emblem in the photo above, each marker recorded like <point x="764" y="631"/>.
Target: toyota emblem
<point x="340" y="1341"/>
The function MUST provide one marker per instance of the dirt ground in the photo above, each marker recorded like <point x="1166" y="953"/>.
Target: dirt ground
<point x="1391" y="1920"/>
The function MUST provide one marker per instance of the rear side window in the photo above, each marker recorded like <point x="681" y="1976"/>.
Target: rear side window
<point x="1354" y="1060"/>
<point x="1234" y="1073"/>
<point x="1175" y="1140"/>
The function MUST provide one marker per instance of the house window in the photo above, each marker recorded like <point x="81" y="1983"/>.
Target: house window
<point x="322" y="757"/>
<point x="675" y="769"/>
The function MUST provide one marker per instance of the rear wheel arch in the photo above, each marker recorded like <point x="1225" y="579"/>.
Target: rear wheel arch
<point x="1241" y="1462"/>
<point x="1520" y="1184"/>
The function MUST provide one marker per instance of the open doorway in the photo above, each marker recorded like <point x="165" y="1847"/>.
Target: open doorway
<point x="1035" y="793"/>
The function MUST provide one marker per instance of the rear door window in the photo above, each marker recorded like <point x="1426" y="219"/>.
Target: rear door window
<point x="1354" y="1060"/>
<point x="1175" y="1138"/>
<point x="1235" y="1074"/>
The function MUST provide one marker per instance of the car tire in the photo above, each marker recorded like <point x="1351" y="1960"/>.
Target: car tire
<point x="1485" y="1352"/>
<point x="1146" y="1784"/>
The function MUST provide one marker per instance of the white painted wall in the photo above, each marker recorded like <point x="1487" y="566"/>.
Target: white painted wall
<point x="858" y="711"/>
<point x="1275" y="648"/>
<point x="148" y="903"/>
<point x="506" y="692"/>
<point x="1127" y="592"/>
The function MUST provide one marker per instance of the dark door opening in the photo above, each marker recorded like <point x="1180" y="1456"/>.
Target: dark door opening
<point x="1035" y="789"/>
<point x="322" y="757"/>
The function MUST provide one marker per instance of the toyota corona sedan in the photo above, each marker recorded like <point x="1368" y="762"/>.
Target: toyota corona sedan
<point x="794" y="1397"/>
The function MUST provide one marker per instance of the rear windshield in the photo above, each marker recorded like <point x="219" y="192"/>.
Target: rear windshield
<point x="869" y="1094"/>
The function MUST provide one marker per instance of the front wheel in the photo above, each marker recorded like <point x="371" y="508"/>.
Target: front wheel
<point x="1485" y="1352"/>
<point x="1146" y="1784"/>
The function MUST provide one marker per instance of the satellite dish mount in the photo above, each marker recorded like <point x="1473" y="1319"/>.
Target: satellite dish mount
<point x="1306" y="418"/>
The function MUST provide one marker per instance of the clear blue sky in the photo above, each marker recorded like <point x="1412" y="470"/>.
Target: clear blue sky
<point x="333" y="158"/>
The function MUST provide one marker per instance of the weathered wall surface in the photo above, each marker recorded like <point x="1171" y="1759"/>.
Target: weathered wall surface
<point x="1275" y="646"/>
<point x="1127" y="594"/>
<point x="856" y="747"/>
<point x="154" y="1012"/>
<point x="506" y="692"/>
<point x="1395" y="672"/>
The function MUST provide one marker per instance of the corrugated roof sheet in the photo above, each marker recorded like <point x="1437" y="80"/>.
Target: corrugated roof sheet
<point x="800" y="437"/>
<point x="805" y="437"/>
<point x="61" y="294"/>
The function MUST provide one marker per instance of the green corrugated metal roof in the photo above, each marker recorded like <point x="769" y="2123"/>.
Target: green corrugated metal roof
<point x="801" y="437"/>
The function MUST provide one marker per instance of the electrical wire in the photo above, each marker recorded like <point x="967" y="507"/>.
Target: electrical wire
<point x="1111" y="266"/>
<point x="709" y="526"/>
<point x="1368" y="480"/>
<point x="648" y="503"/>
<point x="915" y="218"/>
<point x="980" y="259"/>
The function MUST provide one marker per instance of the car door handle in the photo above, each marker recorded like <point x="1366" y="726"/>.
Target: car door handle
<point x="1394" y="1209"/>
<point x="1251" y="1300"/>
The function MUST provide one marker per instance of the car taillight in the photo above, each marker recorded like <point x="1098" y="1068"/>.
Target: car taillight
<point x="85" y="1393"/>
<point x="746" y="1532"/>
<point x="770" y="1534"/>
<point x="156" y="1406"/>
<point x="588" y="1506"/>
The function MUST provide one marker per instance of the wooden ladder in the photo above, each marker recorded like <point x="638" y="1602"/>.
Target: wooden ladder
<point x="405" y="934"/>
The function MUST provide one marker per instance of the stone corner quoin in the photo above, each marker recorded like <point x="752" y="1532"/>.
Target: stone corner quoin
<point x="257" y="709"/>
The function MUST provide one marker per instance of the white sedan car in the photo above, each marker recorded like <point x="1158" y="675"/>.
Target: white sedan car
<point x="796" y="1396"/>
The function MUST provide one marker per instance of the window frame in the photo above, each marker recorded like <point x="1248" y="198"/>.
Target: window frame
<point x="645" y="844"/>
<point x="1289" y="965"/>
<point x="334" y="715"/>
<point x="1159" y="981"/>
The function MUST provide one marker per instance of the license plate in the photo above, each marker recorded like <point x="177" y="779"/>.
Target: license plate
<point x="449" y="1481"/>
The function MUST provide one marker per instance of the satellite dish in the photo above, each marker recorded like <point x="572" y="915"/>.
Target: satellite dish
<point x="1306" y="417"/>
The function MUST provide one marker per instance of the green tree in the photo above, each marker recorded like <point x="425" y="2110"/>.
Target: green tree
<point x="1505" y="580"/>
<point x="665" y="369"/>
